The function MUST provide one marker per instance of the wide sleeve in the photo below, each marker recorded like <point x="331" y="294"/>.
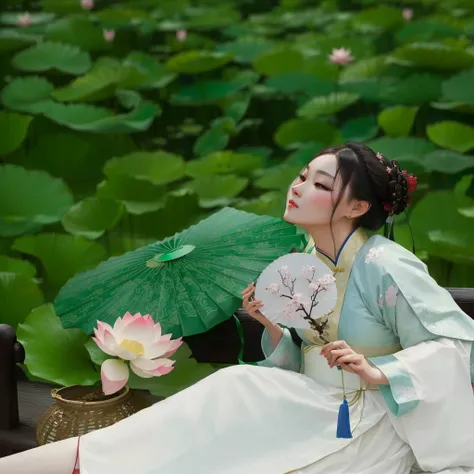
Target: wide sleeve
<point x="286" y="355"/>
<point x="400" y="395"/>
<point x="398" y="289"/>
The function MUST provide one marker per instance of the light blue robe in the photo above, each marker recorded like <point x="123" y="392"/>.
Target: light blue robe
<point x="417" y="310"/>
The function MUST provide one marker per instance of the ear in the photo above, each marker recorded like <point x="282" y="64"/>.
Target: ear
<point x="358" y="208"/>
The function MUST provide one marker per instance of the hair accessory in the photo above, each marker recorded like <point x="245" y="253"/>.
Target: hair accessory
<point x="402" y="185"/>
<point x="379" y="156"/>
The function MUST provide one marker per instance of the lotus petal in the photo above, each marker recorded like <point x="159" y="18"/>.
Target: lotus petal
<point x="151" y="368"/>
<point x="114" y="375"/>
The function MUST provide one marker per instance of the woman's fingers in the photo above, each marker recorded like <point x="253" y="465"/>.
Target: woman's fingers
<point x="250" y="288"/>
<point x="335" y="355"/>
<point x="355" y="360"/>
<point x="333" y="345"/>
<point x="253" y="305"/>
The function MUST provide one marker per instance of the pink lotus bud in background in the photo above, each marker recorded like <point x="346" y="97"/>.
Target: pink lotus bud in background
<point x="407" y="13"/>
<point x="87" y="4"/>
<point x="109" y="35"/>
<point x="341" y="56"/>
<point x="181" y="35"/>
<point x="24" y="19"/>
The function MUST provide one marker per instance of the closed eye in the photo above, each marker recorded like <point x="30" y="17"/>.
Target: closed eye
<point x="321" y="186"/>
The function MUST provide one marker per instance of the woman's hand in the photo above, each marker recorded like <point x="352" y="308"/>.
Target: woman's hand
<point x="253" y="308"/>
<point x="251" y="305"/>
<point x="340" y="354"/>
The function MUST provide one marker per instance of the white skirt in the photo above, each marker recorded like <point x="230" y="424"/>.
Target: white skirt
<point x="245" y="420"/>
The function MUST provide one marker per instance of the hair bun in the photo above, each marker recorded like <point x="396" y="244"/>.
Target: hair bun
<point x="401" y="185"/>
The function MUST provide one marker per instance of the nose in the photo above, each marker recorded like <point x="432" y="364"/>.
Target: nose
<point x="294" y="190"/>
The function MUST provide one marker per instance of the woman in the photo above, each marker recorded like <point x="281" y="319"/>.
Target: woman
<point x="401" y="341"/>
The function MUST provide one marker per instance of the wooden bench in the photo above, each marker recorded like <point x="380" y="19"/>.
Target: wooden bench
<point x="23" y="401"/>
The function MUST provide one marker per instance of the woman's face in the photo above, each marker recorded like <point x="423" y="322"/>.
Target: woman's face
<point x="314" y="193"/>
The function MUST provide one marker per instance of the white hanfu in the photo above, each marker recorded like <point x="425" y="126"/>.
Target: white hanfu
<point x="281" y="415"/>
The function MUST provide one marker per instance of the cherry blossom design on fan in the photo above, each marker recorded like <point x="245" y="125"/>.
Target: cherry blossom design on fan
<point x="298" y="290"/>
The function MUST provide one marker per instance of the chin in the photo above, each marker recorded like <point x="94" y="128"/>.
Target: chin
<point x="289" y="218"/>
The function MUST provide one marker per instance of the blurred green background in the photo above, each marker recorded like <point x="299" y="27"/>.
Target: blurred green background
<point x="125" y="122"/>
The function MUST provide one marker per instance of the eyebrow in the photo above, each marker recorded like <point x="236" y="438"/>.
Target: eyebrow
<point x="321" y="172"/>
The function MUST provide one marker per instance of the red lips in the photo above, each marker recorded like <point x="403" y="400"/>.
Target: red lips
<point x="292" y="203"/>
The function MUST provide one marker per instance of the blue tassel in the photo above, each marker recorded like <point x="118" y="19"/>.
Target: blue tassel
<point x="343" y="421"/>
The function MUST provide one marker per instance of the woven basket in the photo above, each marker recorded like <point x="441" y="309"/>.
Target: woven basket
<point x="73" y="415"/>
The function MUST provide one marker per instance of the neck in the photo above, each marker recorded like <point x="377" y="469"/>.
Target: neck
<point x="330" y="239"/>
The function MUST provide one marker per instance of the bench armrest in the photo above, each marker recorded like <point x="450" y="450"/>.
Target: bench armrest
<point x="11" y="353"/>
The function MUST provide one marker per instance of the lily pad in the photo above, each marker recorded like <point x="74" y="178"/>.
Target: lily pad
<point x="92" y="217"/>
<point x="236" y="106"/>
<point x="12" y="39"/>
<point x="17" y="266"/>
<point x="19" y="294"/>
<point x="363" y="69"/>
<point x="271" y="203"/>
<point x="246" y="49"/>
<point x="224" y="162"/>
<point x="88" y="118"/>
<point x="377" y="19"/>
<point x="27" y="94"/>
<point x="79" y="31"/>
<point x="449" y="162"/>
<point x="279" y="61"/>
<point x="436" y="56"/>
<point x="205" y="92"/>
<point x="138" y="196"/>
<point x="30" y="199"/>
<point x="158" y="167"/>
<point x="49" y="55"/>
<point x="143" y="71"/>
<point x="62" y="256"/>
<point x="397" y="121"/>
<point x="98" y="83"/>
<point x="195" y="61"/>
<point x="304" y="154"/>
<point x="294" y="132"/>
<point x="53" y="353"/>
<point x="441" y="229"/>
<point x="210" y="141"/>
<point x="327" y="105"/>
<point x="415" y="89"/>
<point x="14" y="128"/>
<point x="360" y="129"/>
<point x="454" y="136"/>
<point x="310" y="84"/>
<point x="217" y="190"/>
<point x="181" y="210"/>
<point x="35" y="18"/>
<point x="459" y="87"/>
<point x="402" y="148"/>
<point x="278" y="178"/>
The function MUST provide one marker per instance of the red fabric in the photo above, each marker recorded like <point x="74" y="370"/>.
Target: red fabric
<point x="76" y="463"/>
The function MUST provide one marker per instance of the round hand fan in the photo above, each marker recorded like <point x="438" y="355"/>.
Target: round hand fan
<point x="296" y="290"/>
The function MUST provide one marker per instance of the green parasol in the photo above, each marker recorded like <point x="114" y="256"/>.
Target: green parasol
<point x="189" y="282"/>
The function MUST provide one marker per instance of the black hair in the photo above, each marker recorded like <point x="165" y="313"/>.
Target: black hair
<point x="372" y="178"/>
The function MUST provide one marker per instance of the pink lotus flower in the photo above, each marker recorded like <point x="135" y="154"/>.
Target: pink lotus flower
<point x="109" y="35"/>
<point x="341" y="56"/>
<point x="87" y="4"/>
<point x="407" y="13"/>
<point x="136" y="339"/>
<point x="24" y="19"/>
<point x="181" y="35"/>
